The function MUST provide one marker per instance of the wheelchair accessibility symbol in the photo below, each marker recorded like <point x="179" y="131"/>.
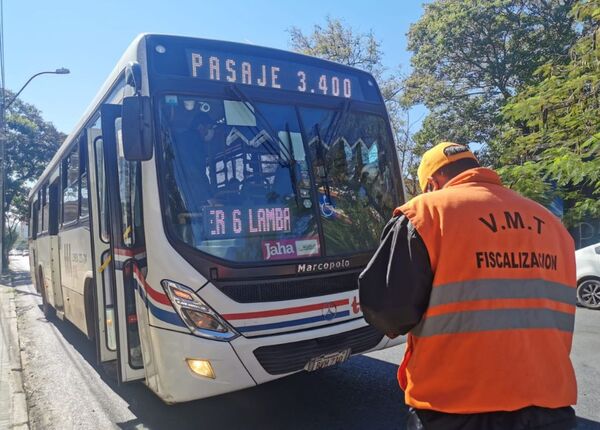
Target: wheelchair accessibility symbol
<point x="327" y="206"/>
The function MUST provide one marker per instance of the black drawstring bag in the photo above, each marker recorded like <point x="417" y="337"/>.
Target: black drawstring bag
<point x="376" y="296"/>
<point x="394" y="288"/>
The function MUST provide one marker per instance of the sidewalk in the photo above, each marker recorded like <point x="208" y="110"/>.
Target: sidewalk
<point x="13" y="404"/>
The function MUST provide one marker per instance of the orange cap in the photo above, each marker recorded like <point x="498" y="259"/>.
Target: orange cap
<point x="438" y="156"/>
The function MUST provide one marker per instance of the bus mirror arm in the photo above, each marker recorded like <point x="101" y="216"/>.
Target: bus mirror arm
<point x="137" y="128"/>
<point x="133" y="76"/>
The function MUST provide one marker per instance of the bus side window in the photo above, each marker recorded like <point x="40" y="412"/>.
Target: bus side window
<point x="30" y="221"/>
<point x="40" y="212"/>
<point x="33" y="223"/>
<point x="83" y="181"/>
<point x="71" y="186"/>
<point x="93" y="134"/>
<point x="46" y="209"/>
<point x="53" y="203"/>
<point x="101" y="185"/>
<point x="130" y="195"/>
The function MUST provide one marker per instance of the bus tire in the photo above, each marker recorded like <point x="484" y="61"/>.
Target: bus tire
<point x="90" y="311"/>
<point x="49" y="311"/>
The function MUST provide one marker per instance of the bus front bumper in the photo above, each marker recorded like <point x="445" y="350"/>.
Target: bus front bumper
<point x="271" y="357"/>
<point x="246" y="362"/>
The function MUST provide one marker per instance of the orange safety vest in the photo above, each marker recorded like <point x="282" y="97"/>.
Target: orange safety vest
<point x="497" y="333"/>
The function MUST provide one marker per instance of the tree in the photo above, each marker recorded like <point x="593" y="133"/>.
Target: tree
<point x="471" y="56"/>
<point x="551" y="142"/>
<point x="30" y="144"/>
<point x="340" y="43"/>
<point x="11" y="233"/>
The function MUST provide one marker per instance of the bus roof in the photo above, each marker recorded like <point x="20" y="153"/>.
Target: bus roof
<point x="134" y="52"/>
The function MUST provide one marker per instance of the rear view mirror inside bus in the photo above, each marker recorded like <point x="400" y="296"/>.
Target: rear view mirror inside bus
<point x="239" y="113"/>
<point x="137" y="129"/>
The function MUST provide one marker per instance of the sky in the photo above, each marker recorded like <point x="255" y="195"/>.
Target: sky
<point x="88" y="37"/>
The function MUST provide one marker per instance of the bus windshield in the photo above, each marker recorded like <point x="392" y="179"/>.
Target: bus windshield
<point x="255" y="182"/>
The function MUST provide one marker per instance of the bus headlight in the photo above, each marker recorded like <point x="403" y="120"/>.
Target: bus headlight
<point x="196" y="314"/>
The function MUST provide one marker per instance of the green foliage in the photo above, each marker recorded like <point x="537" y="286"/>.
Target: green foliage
<point x="31" y="143"/>
<point x="337" y="42"/>
<point x="553" y="127"/>
<point x="341" y="44"/>
<point x="471" y="56"/>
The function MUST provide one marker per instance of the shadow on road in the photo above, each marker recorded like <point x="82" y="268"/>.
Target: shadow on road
<point x="16" y="278"/>
<point x="362" y="393"/>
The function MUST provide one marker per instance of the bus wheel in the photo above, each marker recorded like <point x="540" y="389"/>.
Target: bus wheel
<point x="49" y="311"/>
<point x="90" y="312"/>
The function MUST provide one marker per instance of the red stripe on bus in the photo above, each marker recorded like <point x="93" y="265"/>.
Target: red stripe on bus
<point x="129" y="252"/>
<point x="287" y="311"/>
<point x="158" y="296"/>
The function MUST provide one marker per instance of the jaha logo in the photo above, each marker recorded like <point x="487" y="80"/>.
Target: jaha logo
<point x="274" y="250"/>
<point x="285" y="249"/>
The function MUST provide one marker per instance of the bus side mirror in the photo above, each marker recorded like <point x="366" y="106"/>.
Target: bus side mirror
<point x="137" y="128"/>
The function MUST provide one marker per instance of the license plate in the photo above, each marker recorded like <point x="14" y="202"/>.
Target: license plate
<point x="327" y="360"/>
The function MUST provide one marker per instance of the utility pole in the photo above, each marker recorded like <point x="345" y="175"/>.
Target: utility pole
<point x="2" y="138"/>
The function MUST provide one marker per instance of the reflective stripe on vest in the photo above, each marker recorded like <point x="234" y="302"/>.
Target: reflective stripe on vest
<point x="498" y="304"/>
<point x="495" y="319"/>
<point x="501" y="289"/>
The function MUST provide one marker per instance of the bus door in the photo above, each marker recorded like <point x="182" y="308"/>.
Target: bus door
<point x="55" y="206"/>
<point x="127" y="251"/>
<point x="105" y="329"/>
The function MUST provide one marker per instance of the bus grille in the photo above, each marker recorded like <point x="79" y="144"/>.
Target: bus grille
<point x="290" y="289"/>
<point x="291" y="357"/>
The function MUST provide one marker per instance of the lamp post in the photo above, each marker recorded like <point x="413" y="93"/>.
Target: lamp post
<point x="5" y="106"/>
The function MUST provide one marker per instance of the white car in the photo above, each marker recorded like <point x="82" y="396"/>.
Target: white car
<point x="588" y="276"/>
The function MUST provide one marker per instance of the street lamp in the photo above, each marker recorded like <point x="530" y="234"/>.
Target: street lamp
<point x="61" y="71"/>
<point x="6" y="105"/>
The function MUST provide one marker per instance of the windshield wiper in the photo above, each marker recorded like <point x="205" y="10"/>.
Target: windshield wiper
<point x="322" y="168"/>
<point x="333" y="132"/>
<point x="272" y="150"/>
<point x="292" y="166"/>
<point x="337" y="123"/>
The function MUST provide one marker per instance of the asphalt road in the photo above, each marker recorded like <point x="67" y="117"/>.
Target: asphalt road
<point x="66" y="390"/>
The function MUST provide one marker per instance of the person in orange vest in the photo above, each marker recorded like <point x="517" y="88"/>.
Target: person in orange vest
<point x="483" y="281"/>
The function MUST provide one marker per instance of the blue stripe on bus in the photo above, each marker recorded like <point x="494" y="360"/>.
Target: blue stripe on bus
<point x="161" y="314"/>
<point x="290" y="323"/>
<point x="166" y="316"/>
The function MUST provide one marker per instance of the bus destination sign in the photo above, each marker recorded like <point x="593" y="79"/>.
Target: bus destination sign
<point x="271" y="73"/>
<point x="222" y="222"/>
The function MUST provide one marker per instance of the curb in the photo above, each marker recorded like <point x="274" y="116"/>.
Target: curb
<point x="19" y="416"/>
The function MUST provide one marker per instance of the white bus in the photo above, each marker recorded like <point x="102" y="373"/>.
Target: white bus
<point x="206" y="221"/>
